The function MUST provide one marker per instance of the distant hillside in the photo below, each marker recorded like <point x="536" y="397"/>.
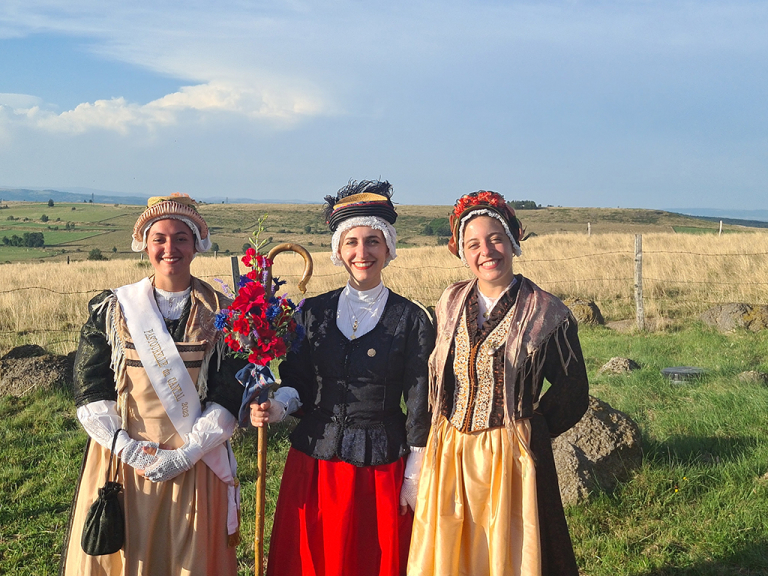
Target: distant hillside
<point x="104" y="197"/>
<point x="737" y="222"/>
<point x="30" y="195"/>
<point x="725" y="213"/>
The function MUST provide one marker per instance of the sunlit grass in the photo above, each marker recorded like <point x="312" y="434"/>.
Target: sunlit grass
<point x="695" y="507"/>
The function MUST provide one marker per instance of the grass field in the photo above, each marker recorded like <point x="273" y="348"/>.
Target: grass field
<point x="109" y="226"/>
<point x="696" y="506"/>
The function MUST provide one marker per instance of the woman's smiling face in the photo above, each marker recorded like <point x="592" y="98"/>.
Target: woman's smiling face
<point x="171" y="249"/>
<point x="364" y="253"/>
<point x="488" y="251"/>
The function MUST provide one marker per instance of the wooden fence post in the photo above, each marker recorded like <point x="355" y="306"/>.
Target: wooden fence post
<point x="639" y="312"/>
<point x="233" y="260"/>
<point x="720" y="233"/>
<point x="589" y="229"/>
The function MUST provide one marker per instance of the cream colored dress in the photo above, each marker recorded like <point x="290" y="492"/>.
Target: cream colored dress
<point x="177" y="527"/>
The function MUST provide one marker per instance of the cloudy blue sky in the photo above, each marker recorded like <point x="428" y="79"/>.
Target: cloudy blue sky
<point x="633" y="103"/>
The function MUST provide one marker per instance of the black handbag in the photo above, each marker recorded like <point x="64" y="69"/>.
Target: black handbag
<point x="104" y="529"/>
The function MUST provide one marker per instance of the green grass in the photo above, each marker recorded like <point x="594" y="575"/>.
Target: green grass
<point x="21" y="254"/>
<point x="697" y="506"/>
<point x="84" y="212"/>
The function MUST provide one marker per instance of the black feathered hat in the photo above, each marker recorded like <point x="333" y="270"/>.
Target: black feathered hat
<point x="364" y="198"/>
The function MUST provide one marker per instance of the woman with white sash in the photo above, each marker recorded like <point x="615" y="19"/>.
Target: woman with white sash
<point x="151" y="364"/>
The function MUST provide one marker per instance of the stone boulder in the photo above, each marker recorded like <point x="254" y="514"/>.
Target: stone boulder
<point x="618" y="365"/>
<point x="585" y="311"/>
<point x="25" y="351"/>
<point x="753" y="377"/>
<point x="727" y="317"/>
<point x="602" y="450"/>
<point x="24" y="370"/>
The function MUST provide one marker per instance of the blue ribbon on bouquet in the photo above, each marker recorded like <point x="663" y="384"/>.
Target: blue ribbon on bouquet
<point x="257" y="380"/>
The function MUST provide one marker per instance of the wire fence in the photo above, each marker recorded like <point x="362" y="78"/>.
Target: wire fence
<point x="677" y="283"/>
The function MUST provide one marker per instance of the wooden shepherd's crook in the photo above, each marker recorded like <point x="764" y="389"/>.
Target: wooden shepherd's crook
<point x="261" y="463"/>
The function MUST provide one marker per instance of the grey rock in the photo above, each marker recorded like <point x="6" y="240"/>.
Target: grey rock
<point x="618" y="365"/>
<point x="585" y="311"/>
<point x="728" y="317"/>
<point x="21" y="375"/>
<point x="753" y="377"/>
<point x="602" y="450"/>
<point x="25" y="351"/>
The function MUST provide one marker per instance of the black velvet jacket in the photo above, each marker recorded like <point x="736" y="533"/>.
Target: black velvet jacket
<point x="95" y="380"/>
<point x="351" y="389"/>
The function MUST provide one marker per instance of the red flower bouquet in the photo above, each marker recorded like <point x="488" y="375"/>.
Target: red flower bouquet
<point x="260" y="325"/>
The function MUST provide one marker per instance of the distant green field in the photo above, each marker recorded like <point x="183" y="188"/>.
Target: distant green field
<point x="58" y="237"/>
<point x="17" y="254"/>
<point x="67" y="211"/>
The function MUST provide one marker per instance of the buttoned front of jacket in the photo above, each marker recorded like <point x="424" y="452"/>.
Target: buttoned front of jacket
<point x="351" y="390"/>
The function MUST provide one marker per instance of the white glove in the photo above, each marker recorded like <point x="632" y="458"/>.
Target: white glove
<point x="134" y="455"/>
<point x="214" y="426"/>
<point x="410" y="488"/>
<point x="101" y="420"/>
<point x="168" y="465"/>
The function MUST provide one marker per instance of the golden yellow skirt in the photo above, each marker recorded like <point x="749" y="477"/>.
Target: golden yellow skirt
<point x="476" y="514"/>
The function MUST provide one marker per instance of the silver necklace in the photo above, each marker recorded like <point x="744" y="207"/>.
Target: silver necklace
<point x="365" y="309"/>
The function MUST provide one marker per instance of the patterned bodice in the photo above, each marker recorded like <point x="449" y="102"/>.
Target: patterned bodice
<point x="478" y="364"/>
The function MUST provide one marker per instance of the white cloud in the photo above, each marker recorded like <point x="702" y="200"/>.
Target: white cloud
<point x="542" y="94"/>
<point x="19" y="101"/>
<point x="118" y="115"/>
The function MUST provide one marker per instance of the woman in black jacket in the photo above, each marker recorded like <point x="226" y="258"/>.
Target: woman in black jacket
<point x="355" y="458"/>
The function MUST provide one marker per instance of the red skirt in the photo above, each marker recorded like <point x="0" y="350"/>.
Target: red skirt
<point x="337" y="519"/>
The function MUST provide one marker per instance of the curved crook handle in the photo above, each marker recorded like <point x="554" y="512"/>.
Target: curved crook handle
<point x="299" y="249"/>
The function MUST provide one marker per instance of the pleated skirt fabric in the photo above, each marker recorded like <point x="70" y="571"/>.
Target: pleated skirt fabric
<point x="337" y="519"/>
<point x="477" y="512"/>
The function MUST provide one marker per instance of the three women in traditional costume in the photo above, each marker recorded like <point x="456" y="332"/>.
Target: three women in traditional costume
<point x="488" y="501"/>
<point x="151" y="368"/>
<point x="355" y="457"/>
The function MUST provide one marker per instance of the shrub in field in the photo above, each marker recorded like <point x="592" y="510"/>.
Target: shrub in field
<point x="96" y="254"/>
<point x="28" y="239"/>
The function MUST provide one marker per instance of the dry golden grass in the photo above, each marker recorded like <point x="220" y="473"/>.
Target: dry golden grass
<point x="683" y="275"/>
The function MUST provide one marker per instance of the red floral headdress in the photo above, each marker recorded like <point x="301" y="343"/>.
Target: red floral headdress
<point x="487" y="200"/>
